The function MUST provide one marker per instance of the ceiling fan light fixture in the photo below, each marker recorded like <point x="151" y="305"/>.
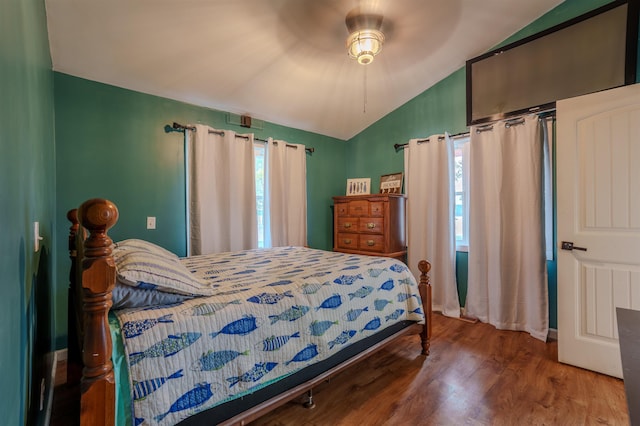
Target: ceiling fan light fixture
<point x="365" y="38"/>
<point x="364" y="44"/>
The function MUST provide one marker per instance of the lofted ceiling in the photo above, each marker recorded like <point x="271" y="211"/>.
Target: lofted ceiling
<point x="282" y="61"/>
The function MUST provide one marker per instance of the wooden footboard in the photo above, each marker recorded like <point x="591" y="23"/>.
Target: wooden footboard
<point x="92" y="279"/>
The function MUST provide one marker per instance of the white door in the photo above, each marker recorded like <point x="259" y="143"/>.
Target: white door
<point x="598" y="193"/>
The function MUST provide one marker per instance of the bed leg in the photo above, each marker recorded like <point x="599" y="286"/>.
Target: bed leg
<point x="425" y="293"/>
<point x="309" y="402"/>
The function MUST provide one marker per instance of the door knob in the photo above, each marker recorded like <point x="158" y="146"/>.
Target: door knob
<point x="568" y="245"/>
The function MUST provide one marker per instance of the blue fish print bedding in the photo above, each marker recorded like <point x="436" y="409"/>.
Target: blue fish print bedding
<point x="272" y="312"/>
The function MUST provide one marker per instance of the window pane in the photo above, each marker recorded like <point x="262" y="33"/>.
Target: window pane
<point x="461" y="191"/>
<point x="458" y="169"/>
<point x="259" y="151"/>
<point x="459" y="217"/>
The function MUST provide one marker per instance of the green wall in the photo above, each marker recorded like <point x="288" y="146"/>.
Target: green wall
<point x="27" y="194"/>
<point x="443" y="108"/>
<point x="111" y="143"/>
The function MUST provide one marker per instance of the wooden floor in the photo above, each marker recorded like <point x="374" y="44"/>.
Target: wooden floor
<point x="475" y="375"/>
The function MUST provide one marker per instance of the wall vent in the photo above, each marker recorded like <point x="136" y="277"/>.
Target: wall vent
<point x="236" y="120"/>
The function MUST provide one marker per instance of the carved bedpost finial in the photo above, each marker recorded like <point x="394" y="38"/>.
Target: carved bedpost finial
<point x="72" y="216"/>
<point x="425" y="293"/>
<point x="98" y="215"/>
<point x="98" y="280"/>
<point x="424" y="267"/>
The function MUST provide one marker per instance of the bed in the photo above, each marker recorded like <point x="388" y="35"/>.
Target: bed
<point x="244" y="333"/>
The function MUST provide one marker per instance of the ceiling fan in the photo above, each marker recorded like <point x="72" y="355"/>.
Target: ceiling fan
<point x="409" y="29"/>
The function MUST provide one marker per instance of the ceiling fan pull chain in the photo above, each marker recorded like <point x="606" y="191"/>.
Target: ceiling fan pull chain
<point x="364" y="106"/>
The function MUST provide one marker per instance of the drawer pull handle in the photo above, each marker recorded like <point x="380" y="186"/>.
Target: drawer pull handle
<point x="347" y="225"/>
<point x="347" y="241"/>
<point x="371" y="225"/>
<point x="371" y="243"/>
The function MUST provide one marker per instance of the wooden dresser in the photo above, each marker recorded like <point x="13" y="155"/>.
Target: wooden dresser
<point x="370" y="224"/>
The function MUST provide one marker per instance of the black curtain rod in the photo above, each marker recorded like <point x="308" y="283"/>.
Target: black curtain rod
<point x="398" y="146"/>
<point x="543" y="115"/>
<point x="177" y="127"/>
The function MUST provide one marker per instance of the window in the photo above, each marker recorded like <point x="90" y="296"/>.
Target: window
<point x="461" y="182"/>
<point x="259" y="150"/>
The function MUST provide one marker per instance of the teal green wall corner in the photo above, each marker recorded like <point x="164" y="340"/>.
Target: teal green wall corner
<point x="111" y="143"/>
<point x="443" y="108"/>
<point x="462" y="275"/>
<point x="27" y="194"/>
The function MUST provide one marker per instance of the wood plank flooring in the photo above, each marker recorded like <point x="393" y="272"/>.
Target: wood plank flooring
<point x="475" y="375"/>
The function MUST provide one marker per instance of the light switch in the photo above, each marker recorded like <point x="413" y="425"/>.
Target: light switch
<point x="151" y="222"/>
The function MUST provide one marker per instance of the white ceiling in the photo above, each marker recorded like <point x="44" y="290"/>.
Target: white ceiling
<point x="282" y="61"/>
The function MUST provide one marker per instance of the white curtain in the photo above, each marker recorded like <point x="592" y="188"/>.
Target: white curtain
<point x="507" y="268"/>
<point x="222" y="208"/>
<point x="430" y="190"/>
<point x="286" y="199"/>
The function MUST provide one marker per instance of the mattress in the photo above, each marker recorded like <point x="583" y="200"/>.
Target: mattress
<point x="272" y="314"/>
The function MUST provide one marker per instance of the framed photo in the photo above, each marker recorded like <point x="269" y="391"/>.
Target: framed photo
<point x="359" y="186"/>
<point x="391" y="184"/>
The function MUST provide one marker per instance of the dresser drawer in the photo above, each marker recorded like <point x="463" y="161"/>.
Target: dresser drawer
<point x="347" y="224"/>
<point x="371" y="243"/>
<point x="342" y="209"/>
<point x="374" y="225"/>
<point x="347" y="241"/>
<point x="359" y="208"/>
<point x="376" y="209"/>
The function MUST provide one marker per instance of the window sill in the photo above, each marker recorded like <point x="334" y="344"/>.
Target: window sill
<point x="463" y="248"/>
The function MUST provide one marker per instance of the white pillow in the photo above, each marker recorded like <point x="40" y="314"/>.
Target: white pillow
<point x="155" y="270"/>
<point x="134" y="244"/>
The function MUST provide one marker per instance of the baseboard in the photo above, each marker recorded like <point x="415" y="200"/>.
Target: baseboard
<point x="465" y="318"/>
<point x="61" y="375"/>
<point x="46" y="403"/>
<point x="552" y="334"/>
<point x="61" y="354"/>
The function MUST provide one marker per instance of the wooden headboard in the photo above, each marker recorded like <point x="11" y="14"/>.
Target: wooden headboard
<point x="91" y="284"/>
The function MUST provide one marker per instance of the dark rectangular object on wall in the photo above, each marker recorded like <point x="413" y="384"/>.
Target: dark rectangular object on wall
<point x="595" y="51"/>
<point x="629" y="334"/>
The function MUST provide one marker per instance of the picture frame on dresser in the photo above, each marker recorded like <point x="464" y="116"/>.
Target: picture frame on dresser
<point x="391" y="183"/>
<point x="358" y="186"/>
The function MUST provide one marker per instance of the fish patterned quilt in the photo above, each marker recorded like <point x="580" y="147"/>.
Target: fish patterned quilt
<point x="273" y="312"/>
